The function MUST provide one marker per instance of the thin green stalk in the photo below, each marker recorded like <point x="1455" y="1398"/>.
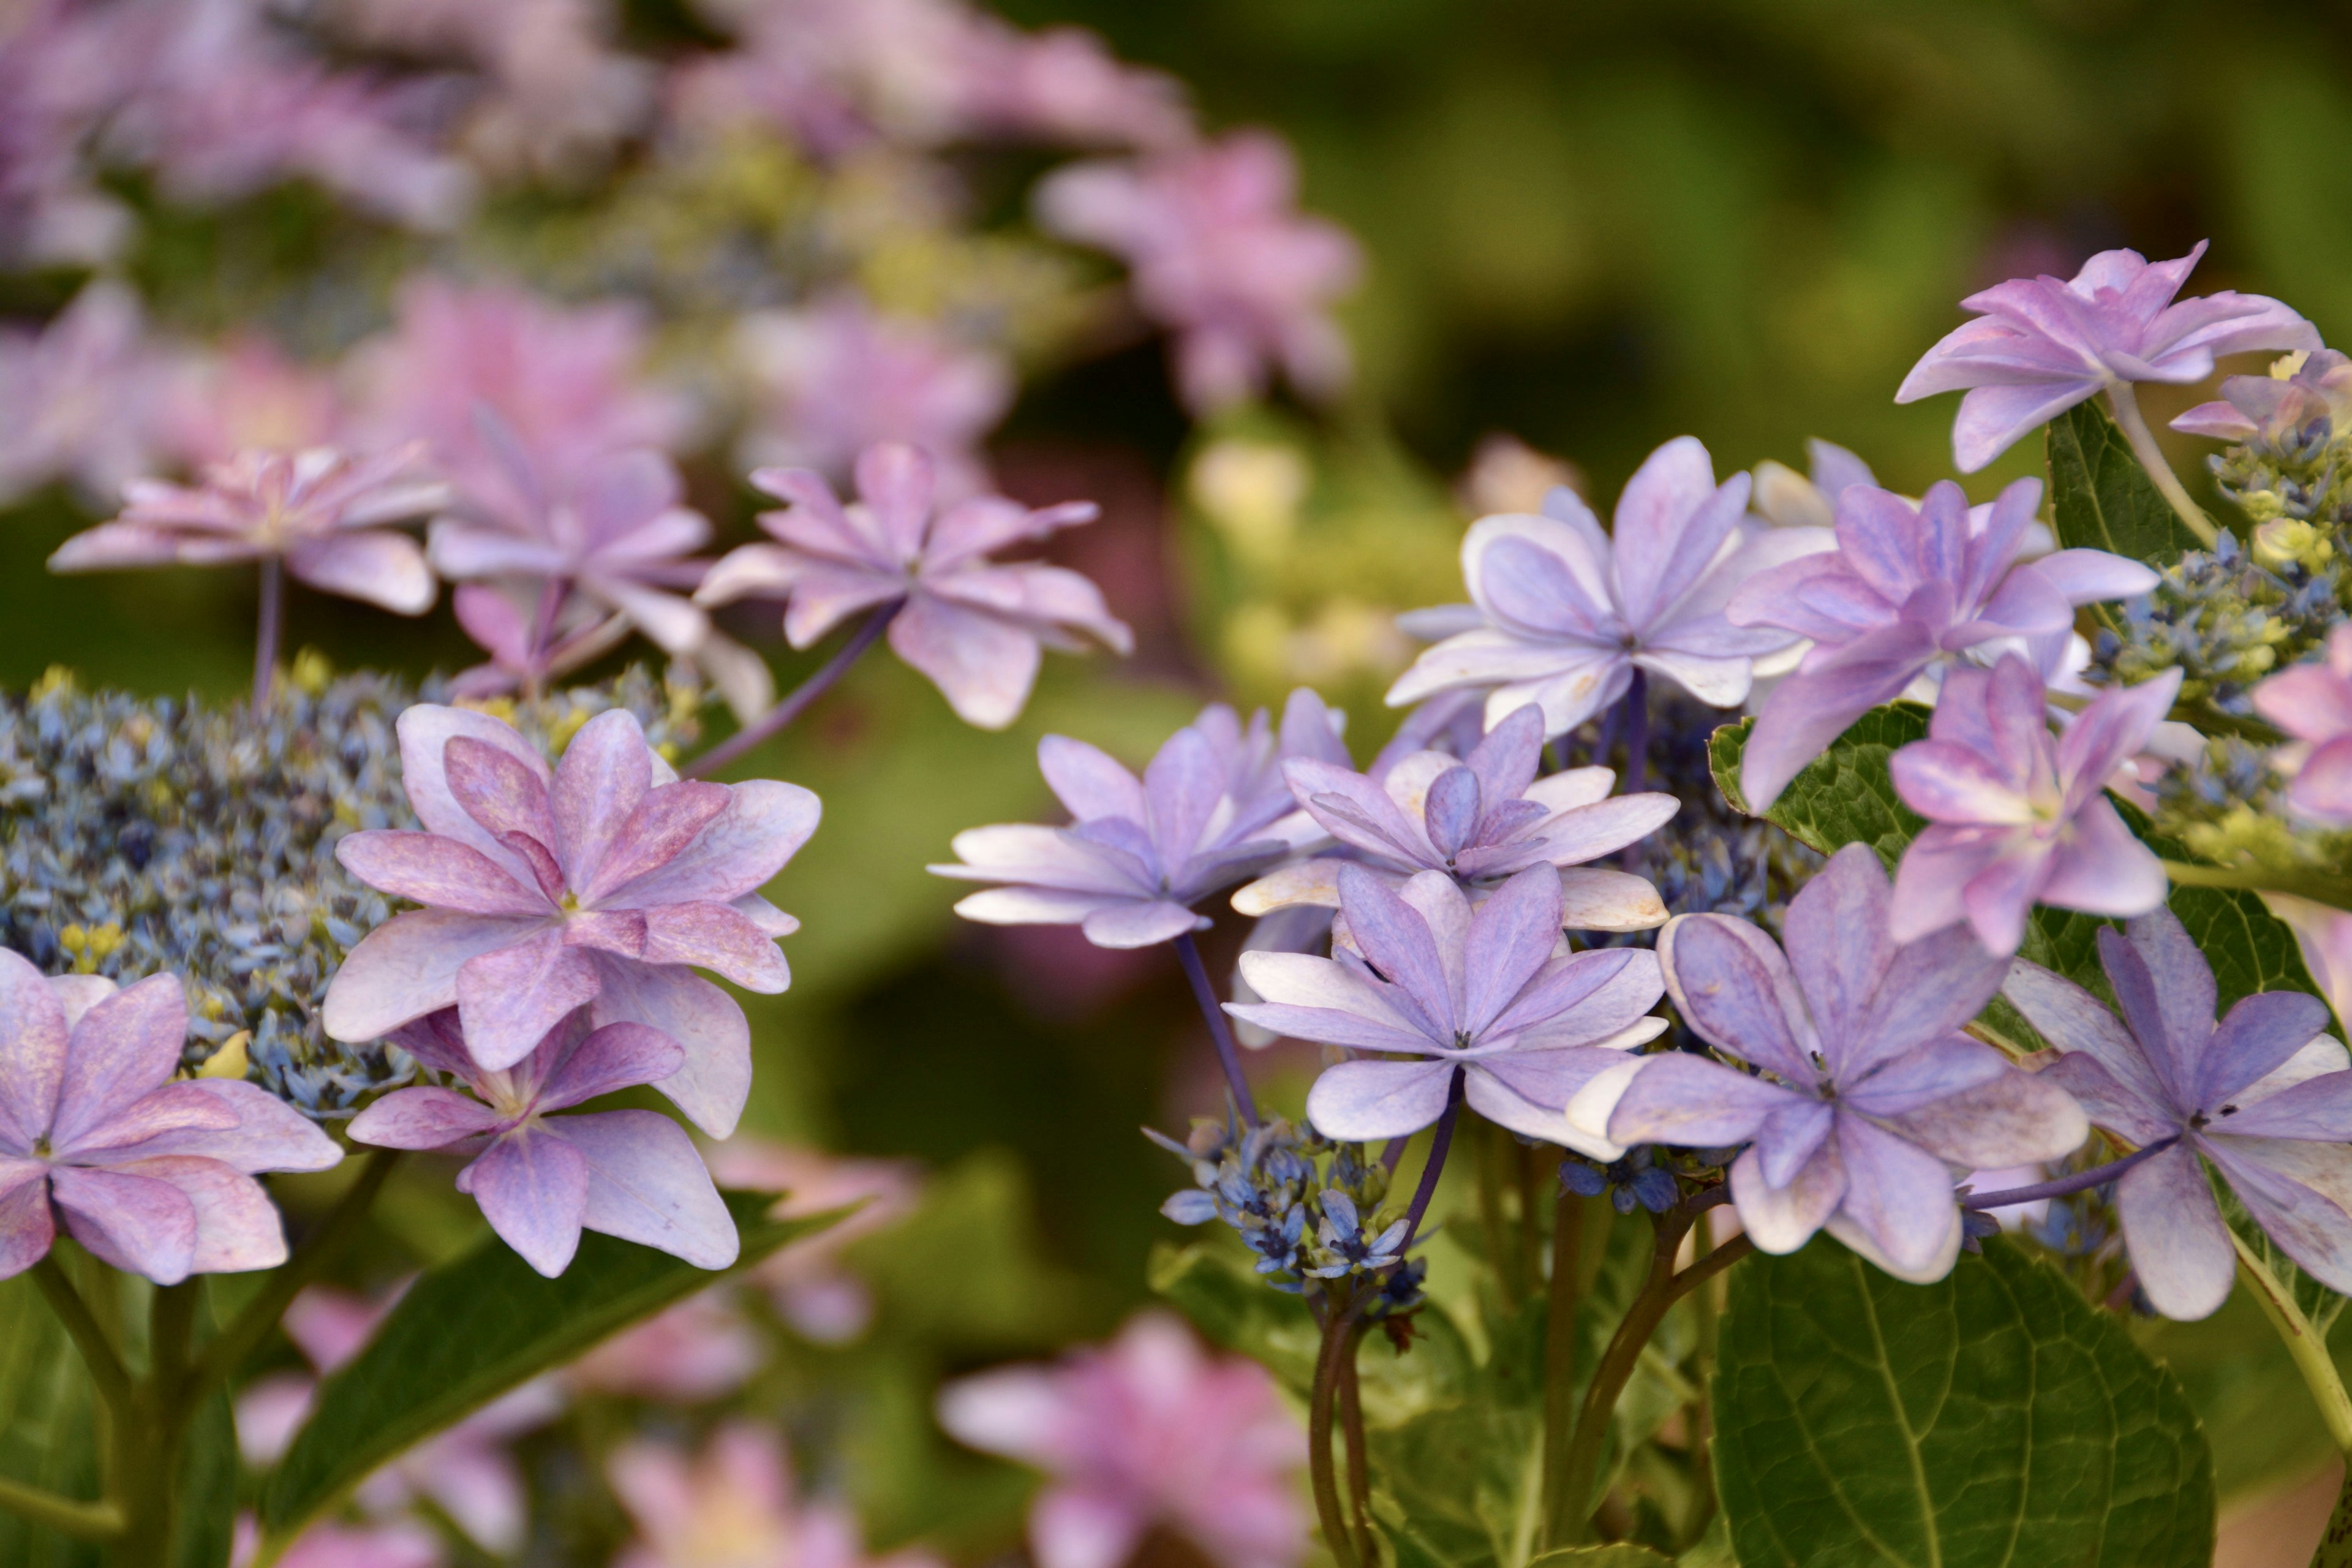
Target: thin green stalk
<point x="244" y="1335"/>
<point x="1360" y="1461"/>
<point x="106" y="1370"/>
<point x="1702" y="1451"/>
<point x="82" y="1521"/>
<point x="2125" y="401"/>
<point x="2316" y="886"/>
<point x="1339" y="1340"/>
<point x="2305" y="1344"/>
<point x="1486" y="1157"/>
<point x="1566" y="1289"/>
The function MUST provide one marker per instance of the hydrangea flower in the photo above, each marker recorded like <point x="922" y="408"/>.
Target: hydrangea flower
<point x="2313" y="703"/>
<point x="809" y="1282"/>
<point x="321" y="512"/>
<point x="1209" y="811"/>
<point x="1485" y="994"/>
<point x="82" y="398"/>
<point x="974" y="627"/>
<point x="1144" y="1431"/>
<point x="598" y="882"/>
<point x="152" y="1176"/>
<point x="541" y="1179"/>
<point x="2016" y="818"/>
<point x="1570" y="613"/>
<point x="701" y="1349"/>
<point x="2264" y="1097"/>
<point x="1908" y="588"/>
<point x="731" y="1507"/>
<point x="1863" y="1094"/>
<point x="2304" y="399"/>
<point x="2041" y="345"/>
<point x="1219" y="253"/>
<point x="246" y="393"/>
<point x="1479" y="819"/>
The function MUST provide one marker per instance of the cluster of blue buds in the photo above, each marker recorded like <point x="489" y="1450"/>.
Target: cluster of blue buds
<point x="2225" y="620"/>
<point x="1649" y="1177"/>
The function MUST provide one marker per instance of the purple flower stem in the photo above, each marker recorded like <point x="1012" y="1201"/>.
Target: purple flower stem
<point x="774" y="720"/>
<point x="2067" y="1186"/>
<point x="1429" y="1171"/>
<point x="1229" y="1056"/>
<point x="2125" y="401"/>
<point x="265" y="632"/>
<point x="1393" y="1151"/>
<point x="1636" y="728"/>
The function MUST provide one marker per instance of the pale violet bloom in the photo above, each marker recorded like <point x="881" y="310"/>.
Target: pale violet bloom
<point x="2264" y="1097"/>
<point x="974" y="627"/>
<point x="152" y="1176"/>
<point x="1570" y="613"/>
<point x="1865" y="1097"/>
<point x="733" y="1507"/>
<point x="1219" y="253"/>
<point x="2017" y="817"/>
<point x="324" y="514"/>
<point x="1209" y="811"/>
<point x="2306" y="398"/>
<point x="1489" y="994"/>
<point x="2313" y="703"/>
<point x="540" y="1178"/>
<point x="1147" y="1431"/>
<point x="601" y="881"/>
<point x="1908" y="588"/>
<point x="2043" y="345"/>
<point x="83" y="398"/>
<point x="1477" y="819"/>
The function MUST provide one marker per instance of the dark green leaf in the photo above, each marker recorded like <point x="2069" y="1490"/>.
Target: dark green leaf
<point x="2104" y="499"/>
<point x="46" y="1430"/>
<point x="207" y="1500"/>
<point x="1623" y="1554"/>
<point x="1992" y="1419"/>
<point x="1846" y="796"/>
<point x="470" y="1329"/>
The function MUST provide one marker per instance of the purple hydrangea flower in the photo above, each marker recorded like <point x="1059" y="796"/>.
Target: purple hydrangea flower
<point x="541" y="1179"/>
<point x="1908" y="589"/>
<point x="1211" y="810"/>
<point x="2017" y="817"/>
<point x="598" y="882"/>
<point x="1479" y="819"/>
<point x="1488" y="992"/>
<point x="152" y="1175"/>
<point x="2303" y="396"/>
<point x="2264" y="1097"/>
<point x="974" y="627"/>
<point x="2043" y="345"/>
<point x="1866" y="1096"/>
<point x="1569" y="613"/>
<point x="2313" y="703"/>
<point x="321" y="512"/>
<point x="84" y="398"/>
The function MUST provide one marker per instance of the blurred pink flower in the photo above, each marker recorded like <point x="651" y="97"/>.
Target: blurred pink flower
<point x="465" y="1470"/>
<point x="974" y="627"/>
<point x="249" y="394"/>
<point x="733" y="1508"/>
<point x="152" y="1176"/>
<point x="836" y="379"/>
<point x="2313" y="703"/>
<point x="1064" y="85"/>
<point x="82" y="399"/>
<point x="563" y="381"/>
<point x="1221" y="255"/>
<point x="53" y="84"/>
<point x="700" y="1349"/>
<point x="320" y="512"/>
<point x="399" y="1544"/>
<point x="808" y="1282"/>
<point x="1144" y="1431"/>
<point x="603" y="880"/>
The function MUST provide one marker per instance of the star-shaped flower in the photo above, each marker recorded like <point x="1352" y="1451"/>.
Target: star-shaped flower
<point x="2313" y="703"/>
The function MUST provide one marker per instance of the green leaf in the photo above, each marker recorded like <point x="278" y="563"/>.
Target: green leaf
<point x="209" y="1468"/>
<point x="470" y="1329"/>
<point x="2104" y="499"/>
<point x="47" y="1434"/>
<point x="1846" y="796"/>
<point x="1623" y="1554"/>
<point x="1992" y="1419"/>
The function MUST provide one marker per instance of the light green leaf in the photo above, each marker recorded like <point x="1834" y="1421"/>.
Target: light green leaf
<point x="470" y="1329"/>
<point x="1988" y="1420"/>
<point x="1844" y="796"/>
<point x="2104" y="499"/>
<point x="47" y="1436"/>
<point x="1622" y="1554"/>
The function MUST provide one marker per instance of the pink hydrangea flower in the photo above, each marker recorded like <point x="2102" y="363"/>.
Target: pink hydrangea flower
<point x="402" y="1543"/>
<point x="82" y="398"/>
<point x="733" y="1507"/>
<point x="1145" y="1431"/>
<point x="835" y="379"/>
<point x="598" y="882"/>
<point x="322" y="513"/>
<point x="564" y="382"/>
<point x="152" y="1175"/>
<point x="1567" y="613"/>
<point x="465" y="1470"/>
<point x="247" y="395"/>
<point x="2043" y="345"/>
<point x="2279" y="408"/>
<point x="540" y="1179"/>
<point x="1219" y="254"/>
<point x="809" y="1282"/>
<point x="700" y="1349"/>
<point x="976" y="628"/>
<point x="1064" y="85"/>
<point x="2313" y="703"/>
<point x="2017" y="817"/>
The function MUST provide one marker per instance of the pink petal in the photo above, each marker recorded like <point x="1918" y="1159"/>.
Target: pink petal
<point x="443" y="873"/>
<point x="408" y="967"/>
<point x="533" y="1189"/>
<point x="137" y="1224"/>
<point x="33" y="1048"/>
<point x="1087" y="781"/>
<point x="824" y="595"/>
<point x="983" y="665"/>
<point x="168" y="1109"/>
<point x="26" y="1230"/>
<point x="237" y="1230"/>
<point x="605" y="771"/>
<point x="665" y="821"/>
<point x="717" y="1078"/>
<point x="123" y="1047"/>
<point x="426" y="730"/>
<point x="1077" y="1526"/>
<point x="378" y="566"/>
<point x="423" y="1118"/>
<point x="512" y="996"/>
<point x="743" y="848"/>
<point x="715" y="936"/>
<point x="616" y="1057"/>
<point x="646" y="1184"/>
<point x="499" y="790"/>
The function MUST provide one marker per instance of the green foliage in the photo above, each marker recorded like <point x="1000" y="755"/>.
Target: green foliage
<point x="46" y="1429"/>
<point x="1844" y="796"/>
<point x="207" y="1527"/>
<point x="2104" y="498"/>
<point x="469" y="1330"/>
<point x="1622" y="1554"/>
<point x="1992" y="1418"/>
